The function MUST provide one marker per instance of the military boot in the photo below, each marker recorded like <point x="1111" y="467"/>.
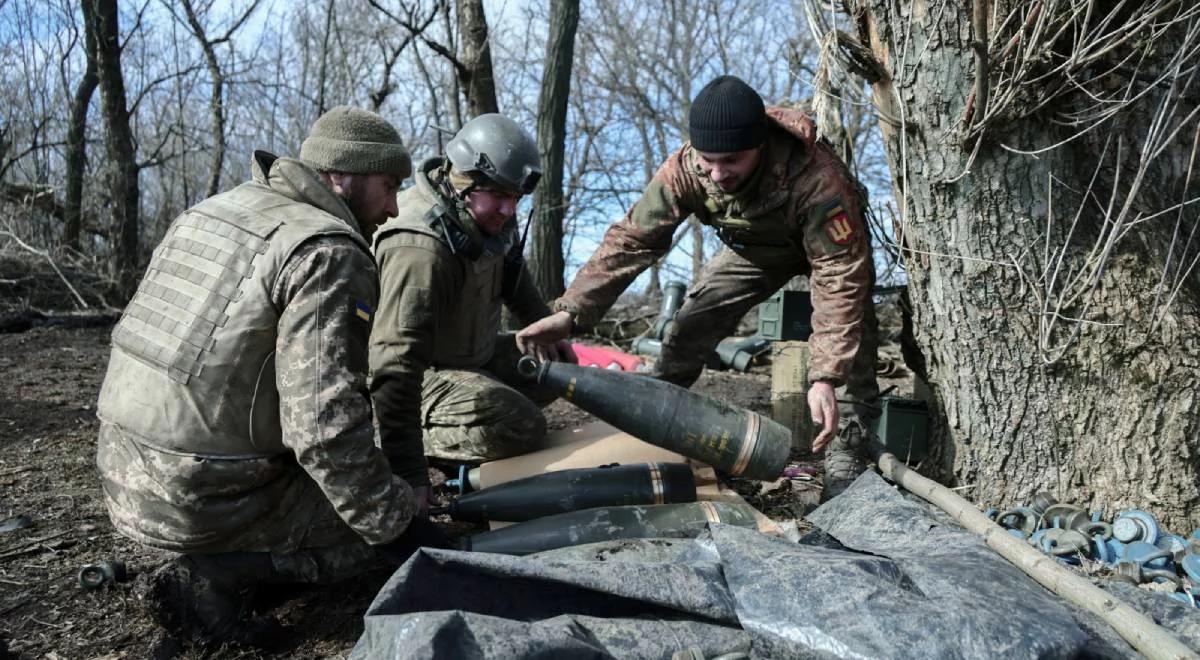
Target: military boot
<point x="206" y="598"/>
<point x="846" y="457"/>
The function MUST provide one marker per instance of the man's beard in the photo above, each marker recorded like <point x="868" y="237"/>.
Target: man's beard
<point x="353" y="199"/>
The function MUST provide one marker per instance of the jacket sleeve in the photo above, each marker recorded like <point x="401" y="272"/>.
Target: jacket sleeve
<point x="325" y="294"/>
<point x="630" y="245"/>
<point x="415" y="283"/>
<point x="839" y="251"/>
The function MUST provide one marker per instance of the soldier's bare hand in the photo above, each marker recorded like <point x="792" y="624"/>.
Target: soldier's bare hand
<point x="566" y="353"/>
<point x="822" y="404"/>
<point x="544" y="334"/>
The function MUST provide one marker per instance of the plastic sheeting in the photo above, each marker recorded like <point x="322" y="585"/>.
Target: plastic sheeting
<point x="887" y="576"/>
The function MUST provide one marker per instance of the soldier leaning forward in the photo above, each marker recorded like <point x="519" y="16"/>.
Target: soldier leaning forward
<point x="235" y="417"/>
<point x="784" y="205"/>
<point x="448" y="262"/>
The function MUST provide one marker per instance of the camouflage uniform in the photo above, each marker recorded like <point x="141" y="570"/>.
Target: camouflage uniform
<point x="439" y="319"/>
<point x="799" y="214"/>
<point x="235" y="414"/>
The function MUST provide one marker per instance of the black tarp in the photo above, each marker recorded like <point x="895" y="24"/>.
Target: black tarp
<point x="888" y="576"/>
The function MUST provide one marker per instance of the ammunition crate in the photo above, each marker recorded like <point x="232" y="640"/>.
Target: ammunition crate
<point x="903" y="427"/>
<point x="786" y="316"/>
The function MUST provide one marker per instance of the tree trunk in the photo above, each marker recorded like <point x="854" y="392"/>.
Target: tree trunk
<point x="216" y="101"/>
<point x="323" y="70"/>
<point x="119" y="139"/>
<point x="76" y="152"/>
<point x="1042" y="285"/>
<point x="546" y="261"/>
<point x="476" y="58"/>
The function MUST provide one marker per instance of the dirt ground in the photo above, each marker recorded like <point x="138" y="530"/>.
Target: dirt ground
<point x="50" y="375"/>
<point x="51" y="378"/>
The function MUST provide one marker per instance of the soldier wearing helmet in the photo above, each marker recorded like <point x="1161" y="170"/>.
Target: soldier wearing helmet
<point x="447" y="264"/>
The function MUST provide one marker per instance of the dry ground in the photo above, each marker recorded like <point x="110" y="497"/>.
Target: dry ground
<point x="48" y="388"/>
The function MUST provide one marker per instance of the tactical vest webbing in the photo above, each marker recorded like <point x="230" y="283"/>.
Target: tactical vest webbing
<point x="192" y="367"/>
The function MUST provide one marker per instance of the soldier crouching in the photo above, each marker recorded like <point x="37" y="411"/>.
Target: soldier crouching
<point x="784" y="205"/>
<point x="235" y="417"/>
<point x="448" y="263"/>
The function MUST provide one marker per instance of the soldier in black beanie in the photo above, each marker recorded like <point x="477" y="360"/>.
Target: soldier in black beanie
<point x="727" y="116"/>
<point x="784" y="204"/>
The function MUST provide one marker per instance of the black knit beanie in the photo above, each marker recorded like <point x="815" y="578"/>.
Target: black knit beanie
<point x="727" y="116"/>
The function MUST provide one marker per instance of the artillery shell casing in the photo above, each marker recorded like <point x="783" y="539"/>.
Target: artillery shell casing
<point x="607" y="523"/>
<point x="738" y="441"/>
<point x="570" y="490"/>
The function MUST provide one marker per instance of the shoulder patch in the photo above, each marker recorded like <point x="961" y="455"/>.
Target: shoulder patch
<point x="836" y="223"/>
<point x="362" y="310"/>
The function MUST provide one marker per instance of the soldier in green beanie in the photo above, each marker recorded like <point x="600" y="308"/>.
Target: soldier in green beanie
<point x="783" y="204"/>
<point x="447" y="263"/>
<point x="235" y="422"/>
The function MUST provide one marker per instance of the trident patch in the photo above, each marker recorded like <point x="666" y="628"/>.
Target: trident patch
<point x="838" y="226"/>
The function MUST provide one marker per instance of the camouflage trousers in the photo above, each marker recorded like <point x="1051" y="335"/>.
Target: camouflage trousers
<point x="728" y="288"/>
<point x="484" y="414"/>
<point x="314" y="548"/>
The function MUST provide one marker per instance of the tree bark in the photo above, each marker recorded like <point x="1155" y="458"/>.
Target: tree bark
<point x="76" y="152"/>
<point x="1042" y="283"/>
<point x="546" y="261"/>
<point x="216" y="100"/>
<point x="322" y="72"/>
<point x="124" y="172"/>
<point x="476" y="58"/>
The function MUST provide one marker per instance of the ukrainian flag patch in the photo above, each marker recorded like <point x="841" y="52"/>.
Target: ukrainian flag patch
<point x="362" y="310"/>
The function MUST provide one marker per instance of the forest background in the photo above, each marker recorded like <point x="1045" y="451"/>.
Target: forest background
<point x="1031" y="164"/>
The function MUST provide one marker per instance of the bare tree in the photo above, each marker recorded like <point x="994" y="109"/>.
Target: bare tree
<point x="475" y="55"/>
<point x="547" y="261"/>
<point x="414" y="23"/>
<point x="1045" y="162"/>
<point x="472" y="60"/>
<point x="322" y="73"/>
<point x="76" y="154"/>
<point x="648" y="58"/>
<point x="119" y="138"/>
<point x="216" y="104"/>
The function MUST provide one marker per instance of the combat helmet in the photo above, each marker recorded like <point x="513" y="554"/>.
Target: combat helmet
<point x="496" y="147"/>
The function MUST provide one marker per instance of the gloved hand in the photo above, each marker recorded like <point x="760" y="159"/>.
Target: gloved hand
<point x="421" y="533"/>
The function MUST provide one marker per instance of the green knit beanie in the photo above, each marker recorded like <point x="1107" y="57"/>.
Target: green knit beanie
<point x="355" y="141"/>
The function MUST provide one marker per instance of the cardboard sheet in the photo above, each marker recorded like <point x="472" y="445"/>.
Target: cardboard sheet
<point x="599" y="444"/>
<point x="588" y="446"/>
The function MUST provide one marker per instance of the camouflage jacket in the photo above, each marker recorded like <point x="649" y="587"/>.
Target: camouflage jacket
<point x="238" y="377"/>
<point x="438" y="308"/>
<point x="799" y="212"/>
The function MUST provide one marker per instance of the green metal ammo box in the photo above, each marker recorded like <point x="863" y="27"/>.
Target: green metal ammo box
<point x="903" y="427"/>
<point x="786" y="316"/>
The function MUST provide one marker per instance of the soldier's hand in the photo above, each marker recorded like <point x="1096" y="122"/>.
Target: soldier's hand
<point x="421" y="533"/>
<point x="544" y="334"/>
<point x="822" y="404"/>
<point x="424" y="497"/>
<point x="566" y="353"/>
